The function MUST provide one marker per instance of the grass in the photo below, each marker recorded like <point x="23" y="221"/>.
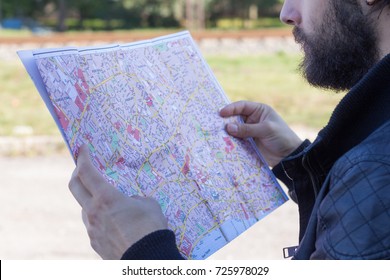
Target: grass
<point x="10" y="33"/>
<point x="20" y="104"/>
<point x="238" y="23"/>
<point x="274" y="80"/>
<point x="270" y="79"/>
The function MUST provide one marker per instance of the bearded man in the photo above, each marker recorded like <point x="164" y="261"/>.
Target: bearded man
<point x="341" y="181"/>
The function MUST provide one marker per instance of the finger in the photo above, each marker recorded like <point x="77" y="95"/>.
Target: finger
<point x="243" y="108"/>
<point x="137" y="197"/>
<point x="244" y="130"/>
<point x="78" y="190"/>
<point x="88" y="174"/>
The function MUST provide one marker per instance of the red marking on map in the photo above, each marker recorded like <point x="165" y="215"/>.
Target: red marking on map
<point x="79" y="103"/>
<point x="80" y="92"/>
<point x="79" y="73"/>
<point x="120" y="163"/>
<point x="245" y="213"/>
<point x="117" y="125"/>
<point x="229" y="144"/>
<point x="134" y="132"/>
<point x="101" y="166"/>
<point x="62" y="118"/>
<point x="149" y="101"/>
<point x="89" y="137"/>
<point x="186" y="167"/>
<point x="186" y="246"/>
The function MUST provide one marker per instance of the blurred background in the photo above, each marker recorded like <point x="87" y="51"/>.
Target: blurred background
<point x="252" y="54"/>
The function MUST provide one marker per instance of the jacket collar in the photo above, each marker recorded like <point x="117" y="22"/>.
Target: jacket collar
<point x="364" y="109"/>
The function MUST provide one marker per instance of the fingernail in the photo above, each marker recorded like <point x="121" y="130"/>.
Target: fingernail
<point x="232" y="128"/>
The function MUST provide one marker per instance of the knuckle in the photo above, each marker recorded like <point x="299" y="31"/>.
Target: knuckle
<point x="71" y="183"/>
<point x="272" y="126"/>
<point x="267" y="126"/>
<point x="82" y="170"/>
<point x="105" y="197"/>
<point x="240" y="105"/>
<point x="243" y="130"/>
<point x="92" y="217"/>
<point x="73" y="180"/>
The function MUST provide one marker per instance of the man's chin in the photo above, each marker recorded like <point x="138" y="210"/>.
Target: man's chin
<point x="317" y="75"/>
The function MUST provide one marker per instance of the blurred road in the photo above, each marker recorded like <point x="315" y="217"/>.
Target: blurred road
<point x="39" y="219"/>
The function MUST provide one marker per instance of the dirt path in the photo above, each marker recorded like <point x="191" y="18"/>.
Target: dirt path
<point x="41" y="220"/>
<point x="129" y="36"/>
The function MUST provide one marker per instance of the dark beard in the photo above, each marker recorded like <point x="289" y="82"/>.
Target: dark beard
<point x="342" y="50"/>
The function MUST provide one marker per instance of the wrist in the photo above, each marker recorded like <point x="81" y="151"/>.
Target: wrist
<point x="158" y="245"/>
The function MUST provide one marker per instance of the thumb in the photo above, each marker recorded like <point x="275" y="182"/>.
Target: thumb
<point x="88" y="174"/>
<point x="240" y="130"/>
<point x="244" y="130"/>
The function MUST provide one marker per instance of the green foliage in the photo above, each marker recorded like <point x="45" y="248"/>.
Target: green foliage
<point x="151" y="13"/>
<point x="20" y="103"/>
<point x="130" y="13"/>
<point x="234" y="10"/>
<point x="20" y="8"/>
<point x="238" y="23"/>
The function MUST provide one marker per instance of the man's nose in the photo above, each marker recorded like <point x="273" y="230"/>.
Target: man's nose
<point x="290" y="13"/>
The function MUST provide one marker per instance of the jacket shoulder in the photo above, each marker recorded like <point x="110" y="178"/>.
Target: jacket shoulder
<point x="353" y="220"/>
<point x="374" y="147"/>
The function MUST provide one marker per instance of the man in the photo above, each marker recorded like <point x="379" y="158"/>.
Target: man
<point x="341" y="181"/>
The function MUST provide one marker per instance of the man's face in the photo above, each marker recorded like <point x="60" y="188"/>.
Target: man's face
<point x="340" y="46"/>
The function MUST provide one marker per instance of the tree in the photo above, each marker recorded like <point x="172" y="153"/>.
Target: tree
<point x="61" y="15"/>
<point x="139" y="13"/>
<point x="152" y="13"/>
<point x="237" y="9"/>
<point x="21" y="8"/>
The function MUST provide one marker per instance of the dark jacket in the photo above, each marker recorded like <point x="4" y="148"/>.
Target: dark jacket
<point x="341" y="181"/>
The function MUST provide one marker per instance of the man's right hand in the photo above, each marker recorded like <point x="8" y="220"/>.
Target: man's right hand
<point x="113" y="220"/>
<point x="274" y="138"/>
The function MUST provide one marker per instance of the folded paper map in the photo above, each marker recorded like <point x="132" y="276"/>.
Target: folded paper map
<point x="149" y="113"/>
